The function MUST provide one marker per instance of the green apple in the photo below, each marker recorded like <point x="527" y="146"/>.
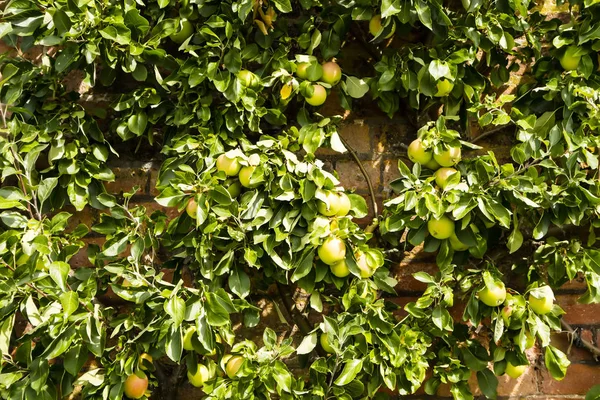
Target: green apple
<point x="324" y="340"/>
<point x="515" y="371"/>
<point x="332" y="73"/>
<point x="319" y="96"/>
<point x="365" y="270"/>
<point x="136" y="385"/>
<point x="444" y="87"/>
<point x="331" y="209"/>
<point x="570" y="59"/>
<point x="345" y="204"/>
<point x="448" y="157"/>
<point x="340" y="269"/>
<point x="233" y="366"/>
<point x="332" y="251"/>
<point x="200" y="377"/>
<point x="375" y="27"/>
<point x="245" y="175"/>
<point x="191" y="208"/>
<point x="441" y="228"/>
<point x="187" y="338"/>
<point x="442" y="176"/>
<point x="456" y="244"/>
<point x="231" y="166"/>
<point x="185" y="31"/>
<point x="418" y="153"/>
<point x="541" y="300"/>
<point x="493" y="296"/>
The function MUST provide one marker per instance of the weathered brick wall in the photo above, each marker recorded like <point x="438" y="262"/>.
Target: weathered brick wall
<point x="378" y="142"/>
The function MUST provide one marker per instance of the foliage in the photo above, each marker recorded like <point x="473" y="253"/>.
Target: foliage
<point x="203" y="80"/>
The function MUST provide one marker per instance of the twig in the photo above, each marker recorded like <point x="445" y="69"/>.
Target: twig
<point x="375" y="222"/>
<point x="490" y="132"/>
<point x="298" y="318"/>
<point x="584" y="343"/>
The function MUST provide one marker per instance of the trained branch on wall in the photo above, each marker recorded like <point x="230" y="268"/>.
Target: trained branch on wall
<point x="579" y="341"/>
<point x="375" y="221"/>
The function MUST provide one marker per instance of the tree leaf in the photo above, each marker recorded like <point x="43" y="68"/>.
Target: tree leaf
<point x="351" y="369"/>
<point x="356" y="87"/>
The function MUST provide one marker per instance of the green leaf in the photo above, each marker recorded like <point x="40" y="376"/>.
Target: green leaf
<point x="556" y="362"/>
<point x="488" y="383"/>
<point x="308" y="343"/>
<point x="175" y="308"/>
<point x="594" y="393"/>
<point x="283" y="5"/>
<point x="45" y="189"/>
<point x="61" y="21"/>
<point x="239" y="282"/>
<point x="59" y="270"/>
<point x="137" y="123"/>
<point x="304" y="265"/>
<point x="70" y="302"/>
<point x="351" y="369"/>
<point x="356" y="87"/>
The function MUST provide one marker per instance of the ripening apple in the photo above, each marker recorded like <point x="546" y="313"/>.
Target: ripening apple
<point x="185" y="31"/>
<point x="375" y="27"/>
<point x="331" y="209"/>
<point x="340" y="269"/>
<point x="332" y="251"/>
<point x="441" y="228"/>
<point x="493" y="296"/>
<point x="418" y="153"/>
<point x="200" y="377"/>
<point x="136" y="385"/>
<point x="544" y="304"/>
<point x="324" y="340"/>
<point x="248" y="79"/>
<point x="449" y="157"/>
<point x="245" y="174"/>
<point x="191" y="208"/>
<point x="431" y="164"/>
<point x="187" y="338"/>
<point x="302" y="70"/>
<point x="318" y="97"/>
<point x="231" y="166"/>
<point x="345" y="204"/>
<point x="234" y="187"/>
<point x="233" y="366"/>
<point x="515" y="371"/>
<point x="570" y="59"/>
<point x="144" y="361"/>
<point x="332" y="73"/>
<point x="444" y="87"/>
<point x="456" y="244"/>
<point x="442" y="176"/>
<point x="365" y="270"/>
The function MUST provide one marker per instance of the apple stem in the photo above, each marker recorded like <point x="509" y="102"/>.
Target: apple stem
<point x="579" y="341"/>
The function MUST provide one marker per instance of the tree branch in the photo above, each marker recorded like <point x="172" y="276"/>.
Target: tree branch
<point x="490" y="132"/>
<point x="375" y="221"/>
<point x="580" y="342"/>
<point x="298" y="318"/>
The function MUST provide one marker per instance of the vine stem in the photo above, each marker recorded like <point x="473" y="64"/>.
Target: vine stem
<point x="375" y="221"/>
<point x="584" y="343"/>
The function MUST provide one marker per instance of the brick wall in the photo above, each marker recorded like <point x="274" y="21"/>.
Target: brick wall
<point x="378" y="142"/>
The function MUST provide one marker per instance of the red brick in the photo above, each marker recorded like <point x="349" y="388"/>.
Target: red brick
<point x="80" y="259"/>
<point x="562" y="341"/>
<point x="356" y="134"/>
<point x="153" y="177"/>
<point x="579" y="379"/>
<point x="577" y="313"/>
<point x="126" y="179"/>
<point x="578" y="283"/>
<point x="390" y="173"/>
<point x="404" y="274"/>
<point x="351" y="176"/>
<point x="524" y="385"/>
<point x="171" y="212"/>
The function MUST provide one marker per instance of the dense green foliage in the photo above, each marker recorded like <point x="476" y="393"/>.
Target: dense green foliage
<point x="198" y="79"/>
